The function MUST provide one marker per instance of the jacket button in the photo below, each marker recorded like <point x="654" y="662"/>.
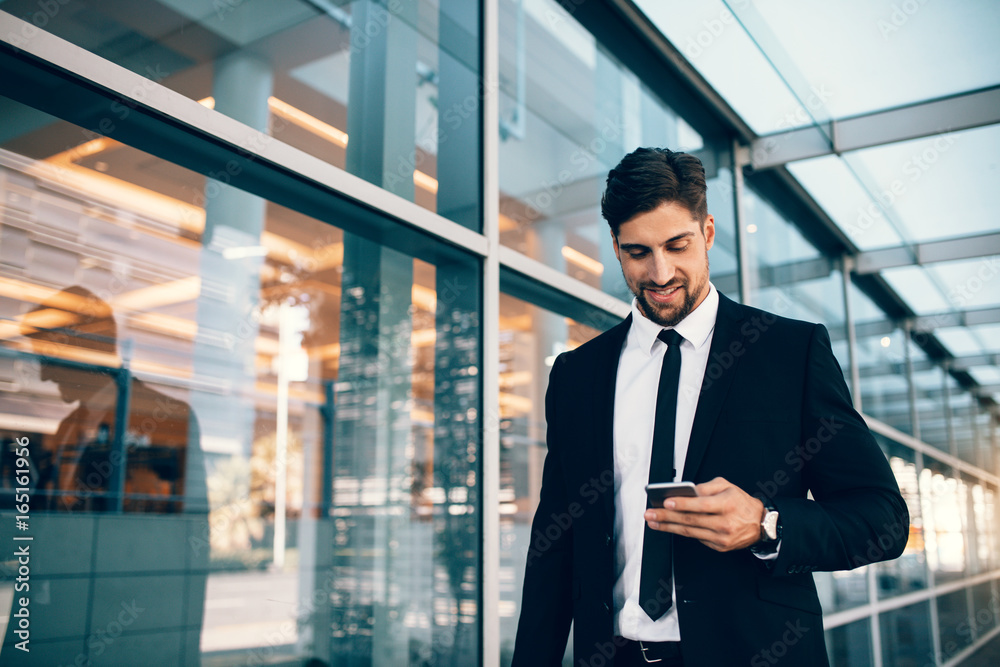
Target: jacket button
<point x="607" y="540"/>
<point x="607" y="607"/>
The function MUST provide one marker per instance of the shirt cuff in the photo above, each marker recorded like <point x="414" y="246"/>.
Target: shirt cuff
<point x="769" y="554"/>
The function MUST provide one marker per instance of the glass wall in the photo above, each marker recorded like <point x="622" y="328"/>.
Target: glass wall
<point x="259" y="428"/>
<point x="530" y="339"/>
<point x="388" y="90"/>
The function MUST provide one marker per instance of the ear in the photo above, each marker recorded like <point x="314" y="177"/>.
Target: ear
<point x="709" y="232"/>
<point x="614" y="243"/>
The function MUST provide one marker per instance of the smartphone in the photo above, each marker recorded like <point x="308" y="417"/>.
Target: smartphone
<point x="660" y="491"/>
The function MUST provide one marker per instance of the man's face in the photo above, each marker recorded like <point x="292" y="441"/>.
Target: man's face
<point x="664" y="258"/>
<point x="74" y="384"/>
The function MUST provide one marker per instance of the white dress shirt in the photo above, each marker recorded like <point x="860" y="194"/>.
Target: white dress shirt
<point x="635" y="412"/>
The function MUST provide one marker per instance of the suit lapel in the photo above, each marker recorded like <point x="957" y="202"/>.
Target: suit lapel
<point x="605" y="377"/>
<point x="719" y="373"/>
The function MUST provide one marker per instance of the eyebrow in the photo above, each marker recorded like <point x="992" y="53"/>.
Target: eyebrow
<point x="638" y="246"/>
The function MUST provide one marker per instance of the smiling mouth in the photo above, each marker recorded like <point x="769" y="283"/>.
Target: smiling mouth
<point x="662" y="296"/>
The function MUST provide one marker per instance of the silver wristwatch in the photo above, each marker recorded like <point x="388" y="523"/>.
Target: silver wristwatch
<point x="769" y="526"/>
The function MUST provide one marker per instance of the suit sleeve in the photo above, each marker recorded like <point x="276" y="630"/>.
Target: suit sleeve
<point x="858" y="515"/>
<point x="546" y="602"/>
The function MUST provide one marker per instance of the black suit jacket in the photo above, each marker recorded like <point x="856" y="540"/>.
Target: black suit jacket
<point x="775" y="418"/>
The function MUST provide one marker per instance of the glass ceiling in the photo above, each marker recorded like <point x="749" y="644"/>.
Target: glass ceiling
<point x="783" y="65"/>
<point x="801" y="62"/>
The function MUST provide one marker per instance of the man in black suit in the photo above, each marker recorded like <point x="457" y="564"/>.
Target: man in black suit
<point x="692" y="386"/>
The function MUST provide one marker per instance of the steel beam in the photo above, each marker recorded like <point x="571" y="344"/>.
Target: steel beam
<point x="948" y="114"/>
<point x="922" y="365"/>
<point x="966" y="247"/>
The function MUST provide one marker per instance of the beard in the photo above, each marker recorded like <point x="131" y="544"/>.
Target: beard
<point x="666" y="316"/>
<point x="671" y="315"/>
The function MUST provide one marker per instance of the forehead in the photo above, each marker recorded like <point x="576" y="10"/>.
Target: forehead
<point x="664" y="222"/>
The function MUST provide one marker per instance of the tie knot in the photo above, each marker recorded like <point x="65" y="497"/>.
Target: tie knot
<point x="670" y="337"/>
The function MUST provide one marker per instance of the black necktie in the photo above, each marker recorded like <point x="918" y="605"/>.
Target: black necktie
<point x="656" y="579"/>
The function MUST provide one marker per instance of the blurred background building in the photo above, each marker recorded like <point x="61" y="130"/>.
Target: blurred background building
<point x="341" y="243"/>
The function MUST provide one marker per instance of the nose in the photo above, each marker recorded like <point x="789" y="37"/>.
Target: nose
<point x="662" y="270"/>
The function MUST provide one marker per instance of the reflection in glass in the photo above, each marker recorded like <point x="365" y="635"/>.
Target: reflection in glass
<point x="126" y="460"/>
<point x="334" y="383"/>
<point x="530" y="339"/>
<point x="388" y="91"/>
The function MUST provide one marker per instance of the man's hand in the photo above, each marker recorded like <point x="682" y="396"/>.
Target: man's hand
<point x="723" y="516"/>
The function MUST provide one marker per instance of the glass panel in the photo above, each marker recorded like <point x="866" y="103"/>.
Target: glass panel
<point x="530" y="339"/>
<point x="917" y="287"/>
<point x="771" y="239"/>
<point x="569" y="111"/>
<point x="931" y="406"/>
<point x="259" y="431"/>
<point x="878" y="197"/>
<point x="943" y="503"/>
<point x="848" y="202"/>
<point x="981" y="498"/>
<point x="884" y="389"/>
<point x="842" y="589"/>
<point x="967" y="430"/>
<point x="789" y="278"/>
<point x="723" y="257"/>
<point x="953" y="623"/>
<point x="985" y="607"/>
<point x="961" y="341"/>
<point x="711" y="38"/>
<point x="906" y="636"/>
<point x="897" y="176"/>
<point x="797" y="44"/>
<point x="387" y="90"/>
<point x="969" y="282"/>
<point x="908" y="572"/>
<point x="895" y="36"/>
<point x="850" y="645"/>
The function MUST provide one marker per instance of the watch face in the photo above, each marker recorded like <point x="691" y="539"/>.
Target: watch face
<point x="770" y="525"/>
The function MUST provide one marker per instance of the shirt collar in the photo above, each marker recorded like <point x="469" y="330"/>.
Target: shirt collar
<point x="696" y="327"/>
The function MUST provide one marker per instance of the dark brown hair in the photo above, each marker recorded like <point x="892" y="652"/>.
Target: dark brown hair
<point x="649" y="177"/>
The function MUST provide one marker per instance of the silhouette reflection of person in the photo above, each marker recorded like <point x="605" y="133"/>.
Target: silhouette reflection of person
<point x="161" y="434"/>
<point x="126" y="485"/>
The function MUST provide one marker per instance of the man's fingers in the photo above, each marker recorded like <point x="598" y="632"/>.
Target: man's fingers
<point x="708" y="537"/>
<point x="714" y="504"/>
<point x="712" y="487"/>
<point x="690" y="520"/>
